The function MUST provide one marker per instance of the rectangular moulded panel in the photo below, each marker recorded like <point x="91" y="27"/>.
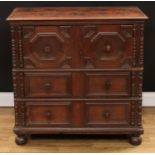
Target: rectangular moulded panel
<point x="48" y="85"/>
<point x="107" y="113"/>
<point x="113" y="84"/>
<point x="54" y="114"/>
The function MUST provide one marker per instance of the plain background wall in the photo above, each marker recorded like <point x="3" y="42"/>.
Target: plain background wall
<point x="5" y="44"/>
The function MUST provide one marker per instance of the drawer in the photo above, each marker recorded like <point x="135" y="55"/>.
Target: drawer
<point x="48" y="114"/>
<point x="107" y="46"/>
<point x="107" y="113"/>
<point x="99" y="84"/>
<point x="47" y="85"/>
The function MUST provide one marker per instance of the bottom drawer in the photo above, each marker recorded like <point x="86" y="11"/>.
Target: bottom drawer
<point x="107" y="113"/>
<point x="48" y="114"/>
<point x="78" y="114"/>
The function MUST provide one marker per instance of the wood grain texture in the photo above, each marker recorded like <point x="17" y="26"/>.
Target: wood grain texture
<point x="78" y="143"/>
<point x="76" y="13"/>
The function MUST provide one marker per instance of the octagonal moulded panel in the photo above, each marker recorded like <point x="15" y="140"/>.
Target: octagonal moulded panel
<point x="47" y="46"/>
<point x="107" y="45"/>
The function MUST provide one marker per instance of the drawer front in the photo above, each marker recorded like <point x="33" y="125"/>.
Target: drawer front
<point x="107" y="84"/>
<point x="107" y="46"/>
<point x="107" y="113"/>
<point x="48" y="114"/>
<point x="47" y="85"/>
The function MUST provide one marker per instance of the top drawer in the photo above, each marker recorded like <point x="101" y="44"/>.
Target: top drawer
<point x="83" y="47"/>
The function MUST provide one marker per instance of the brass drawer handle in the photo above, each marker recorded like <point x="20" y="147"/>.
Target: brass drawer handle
<point x="47" y="49"/>
<point x="48" y="114"/>
<point x="106" y="114"/>
<point x="48" y="86"/>
<point x="107" y="85"/>
<point x="108" y="48"/>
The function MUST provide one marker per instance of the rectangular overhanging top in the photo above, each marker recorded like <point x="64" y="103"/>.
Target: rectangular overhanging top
<point x="76" y="13"/>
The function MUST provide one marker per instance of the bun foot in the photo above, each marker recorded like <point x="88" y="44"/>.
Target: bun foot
<point x="135" y="140"/>
<point x="21" y="139"/>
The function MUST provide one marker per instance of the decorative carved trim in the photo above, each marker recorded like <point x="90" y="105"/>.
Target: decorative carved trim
<point x="88" y="63"/>
<point x="67" y="63"/>
<point x="140" y="83"/>
<point x="15" y="84"/>
<point x="65" y="31"/>
<point x="20" y="46"/>
<point x="29" y="63"/>
<point x="141" y="46"/>
<point x="28" y="31"/>
<point x="89" y="31"/>
<point x="19" y="113"/>
<point x="125" y="30"/>
<point x="134" y="45"/>
<point x="133" y="84"/>
<point x="125" y="62"/>
<point x="132" y="113"/>
<point x="136" y="113"/>
<point x="21" y="79"/>
<point x="14" y="59"/>
<point x="139" y="113"/>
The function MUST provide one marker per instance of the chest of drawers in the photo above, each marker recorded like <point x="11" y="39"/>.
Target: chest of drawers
<point x="77" y="70"/>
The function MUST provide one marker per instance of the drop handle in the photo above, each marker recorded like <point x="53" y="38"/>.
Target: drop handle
<point x="48" y="114"/>
<point x="106" y="114"/>
<point x="48" y="86"/>
<point x="47" y="49"/>
<point x="108" y="48"/>
<point x="107" y="85"/>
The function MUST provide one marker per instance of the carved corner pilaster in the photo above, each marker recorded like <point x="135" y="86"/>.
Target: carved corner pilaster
<point x="139" y="113"/>
<point x="14" y="74"/>
<point x="16" y="43"/>
<point x="140" y="83"/>
<point x="133" y="90"/>
<point x="14" y="53"/>
<point x="19" y="113"/>
<point x="18" y="84"/>
<point x="136" y="113"/>
<point x="21" y="79"/>
<point x="134" y="44"/>
<point x="20" y="48"/>
<point x="133" y="114"/>
<point x="141" y="46"/>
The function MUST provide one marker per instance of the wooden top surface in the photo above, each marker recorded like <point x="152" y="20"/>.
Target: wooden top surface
<point x="76" y="13"/>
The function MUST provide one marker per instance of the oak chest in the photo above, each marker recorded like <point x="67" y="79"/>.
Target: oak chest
<point x="77" y="70"/>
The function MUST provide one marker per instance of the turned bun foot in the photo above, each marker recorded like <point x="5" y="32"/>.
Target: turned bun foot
<point x="135" y="140"/>
<point x="21" y="139"/>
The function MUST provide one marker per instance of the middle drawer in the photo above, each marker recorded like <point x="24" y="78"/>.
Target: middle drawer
<point x="48" y="85"/>
<point x="77" y="84"/>
<point x="103" y="84"/>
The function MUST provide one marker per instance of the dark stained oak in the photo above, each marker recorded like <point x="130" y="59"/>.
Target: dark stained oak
<point x="77" y="70"/>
